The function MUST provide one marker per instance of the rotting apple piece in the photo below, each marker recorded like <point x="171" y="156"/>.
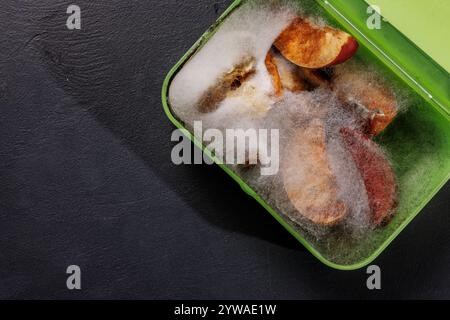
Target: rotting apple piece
<point x="228" y="82"/>
<point x="285" y="74"/>
<point x="376" y="172"/>
<point x="307" y="177"/>
<point x="272" y="68"/>
<point x="382" y="107"/>
<point x="311" y="46"/>
<point x="371" y="100"/>
<point x="375" y="104"/>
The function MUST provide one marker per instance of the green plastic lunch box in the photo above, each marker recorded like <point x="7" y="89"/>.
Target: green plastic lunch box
<point x="418" y="141"/>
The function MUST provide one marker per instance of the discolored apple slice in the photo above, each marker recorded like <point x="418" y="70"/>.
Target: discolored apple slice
<point x="226" y="84"/>
<point x="376" y="172"/>
<point x="383" y="107"/>
<point x="374" y="102"/>
<point x="307" y="177"/>
<point x="272" y="68"/>
<point x="312" y="46"/>
<point x="285" y="75"/>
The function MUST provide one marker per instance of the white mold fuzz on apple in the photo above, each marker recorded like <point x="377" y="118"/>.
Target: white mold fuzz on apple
<point x="246" y="35"/>
<point x="294" y="112"/>
<point x="376" y="97"/>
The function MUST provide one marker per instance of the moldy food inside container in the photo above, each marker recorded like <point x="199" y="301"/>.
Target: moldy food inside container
<point x="278" y="65"/>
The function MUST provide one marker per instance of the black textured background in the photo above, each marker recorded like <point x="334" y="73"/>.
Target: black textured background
<point x="86" y="176"/>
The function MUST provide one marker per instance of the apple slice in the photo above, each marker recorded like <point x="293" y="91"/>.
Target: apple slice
<point x="228" y="83"/>
<point x="376" y="172"/>
<point x="311" y="46"/>
<point x="369" y="98"/>
<point x="382" y="105"/>
<point x="285" y="74"/>
<point x="309" y="183"/>
<point x="272" y="68"/>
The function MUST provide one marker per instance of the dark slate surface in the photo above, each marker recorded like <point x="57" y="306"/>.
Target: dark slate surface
<point x="86" y="176"/>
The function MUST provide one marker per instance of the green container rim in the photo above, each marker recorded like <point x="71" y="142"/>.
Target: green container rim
<point x="333" y="11"/>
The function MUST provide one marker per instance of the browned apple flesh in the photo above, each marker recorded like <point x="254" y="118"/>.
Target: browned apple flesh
<point x="374" y="104"/>
<point x="307" y="177"/>
<point x="376" y="172"/>
<point x="311" y="46"/>
<point x="272" y="68"/>
<point x="227" y="83"/>
<point x="285" y="75"/>
<point x="382" y="105"/>
<point x="372" y="100"/>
